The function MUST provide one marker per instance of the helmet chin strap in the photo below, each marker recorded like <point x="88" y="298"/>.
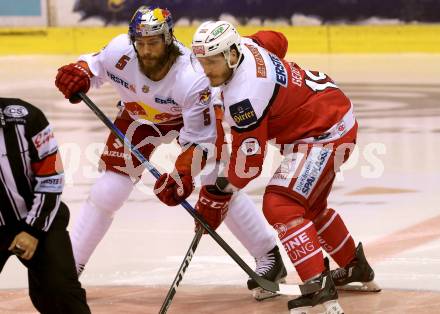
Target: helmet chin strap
<point x="227" y="55"/>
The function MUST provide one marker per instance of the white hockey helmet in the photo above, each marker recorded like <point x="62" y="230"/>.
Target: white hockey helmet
<point x="150" y="21"/>
<point x="212" y="38"/>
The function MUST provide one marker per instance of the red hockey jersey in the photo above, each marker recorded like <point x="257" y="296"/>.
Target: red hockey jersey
<point x="270" y="98"/>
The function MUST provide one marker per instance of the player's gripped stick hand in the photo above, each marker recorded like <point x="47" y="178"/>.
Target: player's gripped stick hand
<point x="24" y="245"/>
<point x="173" y="191"/>
<point x="213" y="205"/>
<point x="72" y="79"/>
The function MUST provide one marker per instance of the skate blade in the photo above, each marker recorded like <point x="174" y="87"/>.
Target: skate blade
<point x="370" y="286"/>
<point x="301" y="310"/>
<point x="260" y="294"/>
<point x="333" y="307"/>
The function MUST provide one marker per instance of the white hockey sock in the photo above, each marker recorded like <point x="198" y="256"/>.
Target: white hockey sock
<point x="249" y="226"/>
<point x="107" y="195"/>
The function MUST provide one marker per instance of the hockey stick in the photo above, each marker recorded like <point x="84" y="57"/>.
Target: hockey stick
<point x="185" y="263"/>
<point x="287" y="289"/>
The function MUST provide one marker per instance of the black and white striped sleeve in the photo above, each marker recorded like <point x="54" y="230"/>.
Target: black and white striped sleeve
<point x="47" y="172"/>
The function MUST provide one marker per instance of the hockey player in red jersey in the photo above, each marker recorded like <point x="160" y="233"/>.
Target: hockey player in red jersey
<point x="162" y="97"/>
<point x="312" y="121"/>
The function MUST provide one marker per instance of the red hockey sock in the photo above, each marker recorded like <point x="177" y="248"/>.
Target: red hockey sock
<point x="334" y="237"/>
<point x="302" y="246"/>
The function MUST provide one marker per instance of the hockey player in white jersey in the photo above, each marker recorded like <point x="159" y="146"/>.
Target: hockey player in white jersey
<point x="162" y="97"/>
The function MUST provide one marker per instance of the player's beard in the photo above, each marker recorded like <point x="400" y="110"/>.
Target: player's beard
<point x="153" y="65"/>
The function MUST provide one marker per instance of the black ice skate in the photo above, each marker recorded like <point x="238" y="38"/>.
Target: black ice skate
<point x="327" y="296"/>
<point x="270" y="267"/>
<point x="357" y="275"/>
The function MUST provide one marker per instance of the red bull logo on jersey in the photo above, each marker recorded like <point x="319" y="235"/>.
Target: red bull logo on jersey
<point x="135" y="109"/>
<point x="144" y="111"/>
<point x="205" y="96"/>
<point x="164" y="116"/>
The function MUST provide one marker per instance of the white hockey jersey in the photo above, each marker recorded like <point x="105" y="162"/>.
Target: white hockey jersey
<point x="183" y="94"/>
<point x="270" y="98"/>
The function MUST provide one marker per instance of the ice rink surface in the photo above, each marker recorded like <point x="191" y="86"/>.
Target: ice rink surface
<point x="388" y="194"/>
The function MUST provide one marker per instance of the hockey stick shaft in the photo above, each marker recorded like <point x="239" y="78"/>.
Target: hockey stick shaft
<point x="185" y="263"/>
<point x="263" y="283"/>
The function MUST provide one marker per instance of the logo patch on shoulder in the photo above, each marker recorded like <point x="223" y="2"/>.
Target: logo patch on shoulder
<point x="205" y="96"/>
<point x="15" y="111"/>
<point x="45" y="142"/>
<point x="243" y="113"/>
<point x="259" y="61"/>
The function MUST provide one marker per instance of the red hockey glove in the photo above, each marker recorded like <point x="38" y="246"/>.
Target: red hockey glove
<point x="173" y="191"/>
<point x="72" y="79"/>
<point x="212" y="206"/>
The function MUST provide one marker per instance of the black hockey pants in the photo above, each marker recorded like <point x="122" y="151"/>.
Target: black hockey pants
<point x="53" y="283"/>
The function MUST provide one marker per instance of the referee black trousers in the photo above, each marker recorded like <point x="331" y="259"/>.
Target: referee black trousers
<point x="53" y="282"/>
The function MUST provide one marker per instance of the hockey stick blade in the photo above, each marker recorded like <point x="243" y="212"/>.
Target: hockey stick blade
<point x="292" y="289"/>
<point x="185" y="263"/>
